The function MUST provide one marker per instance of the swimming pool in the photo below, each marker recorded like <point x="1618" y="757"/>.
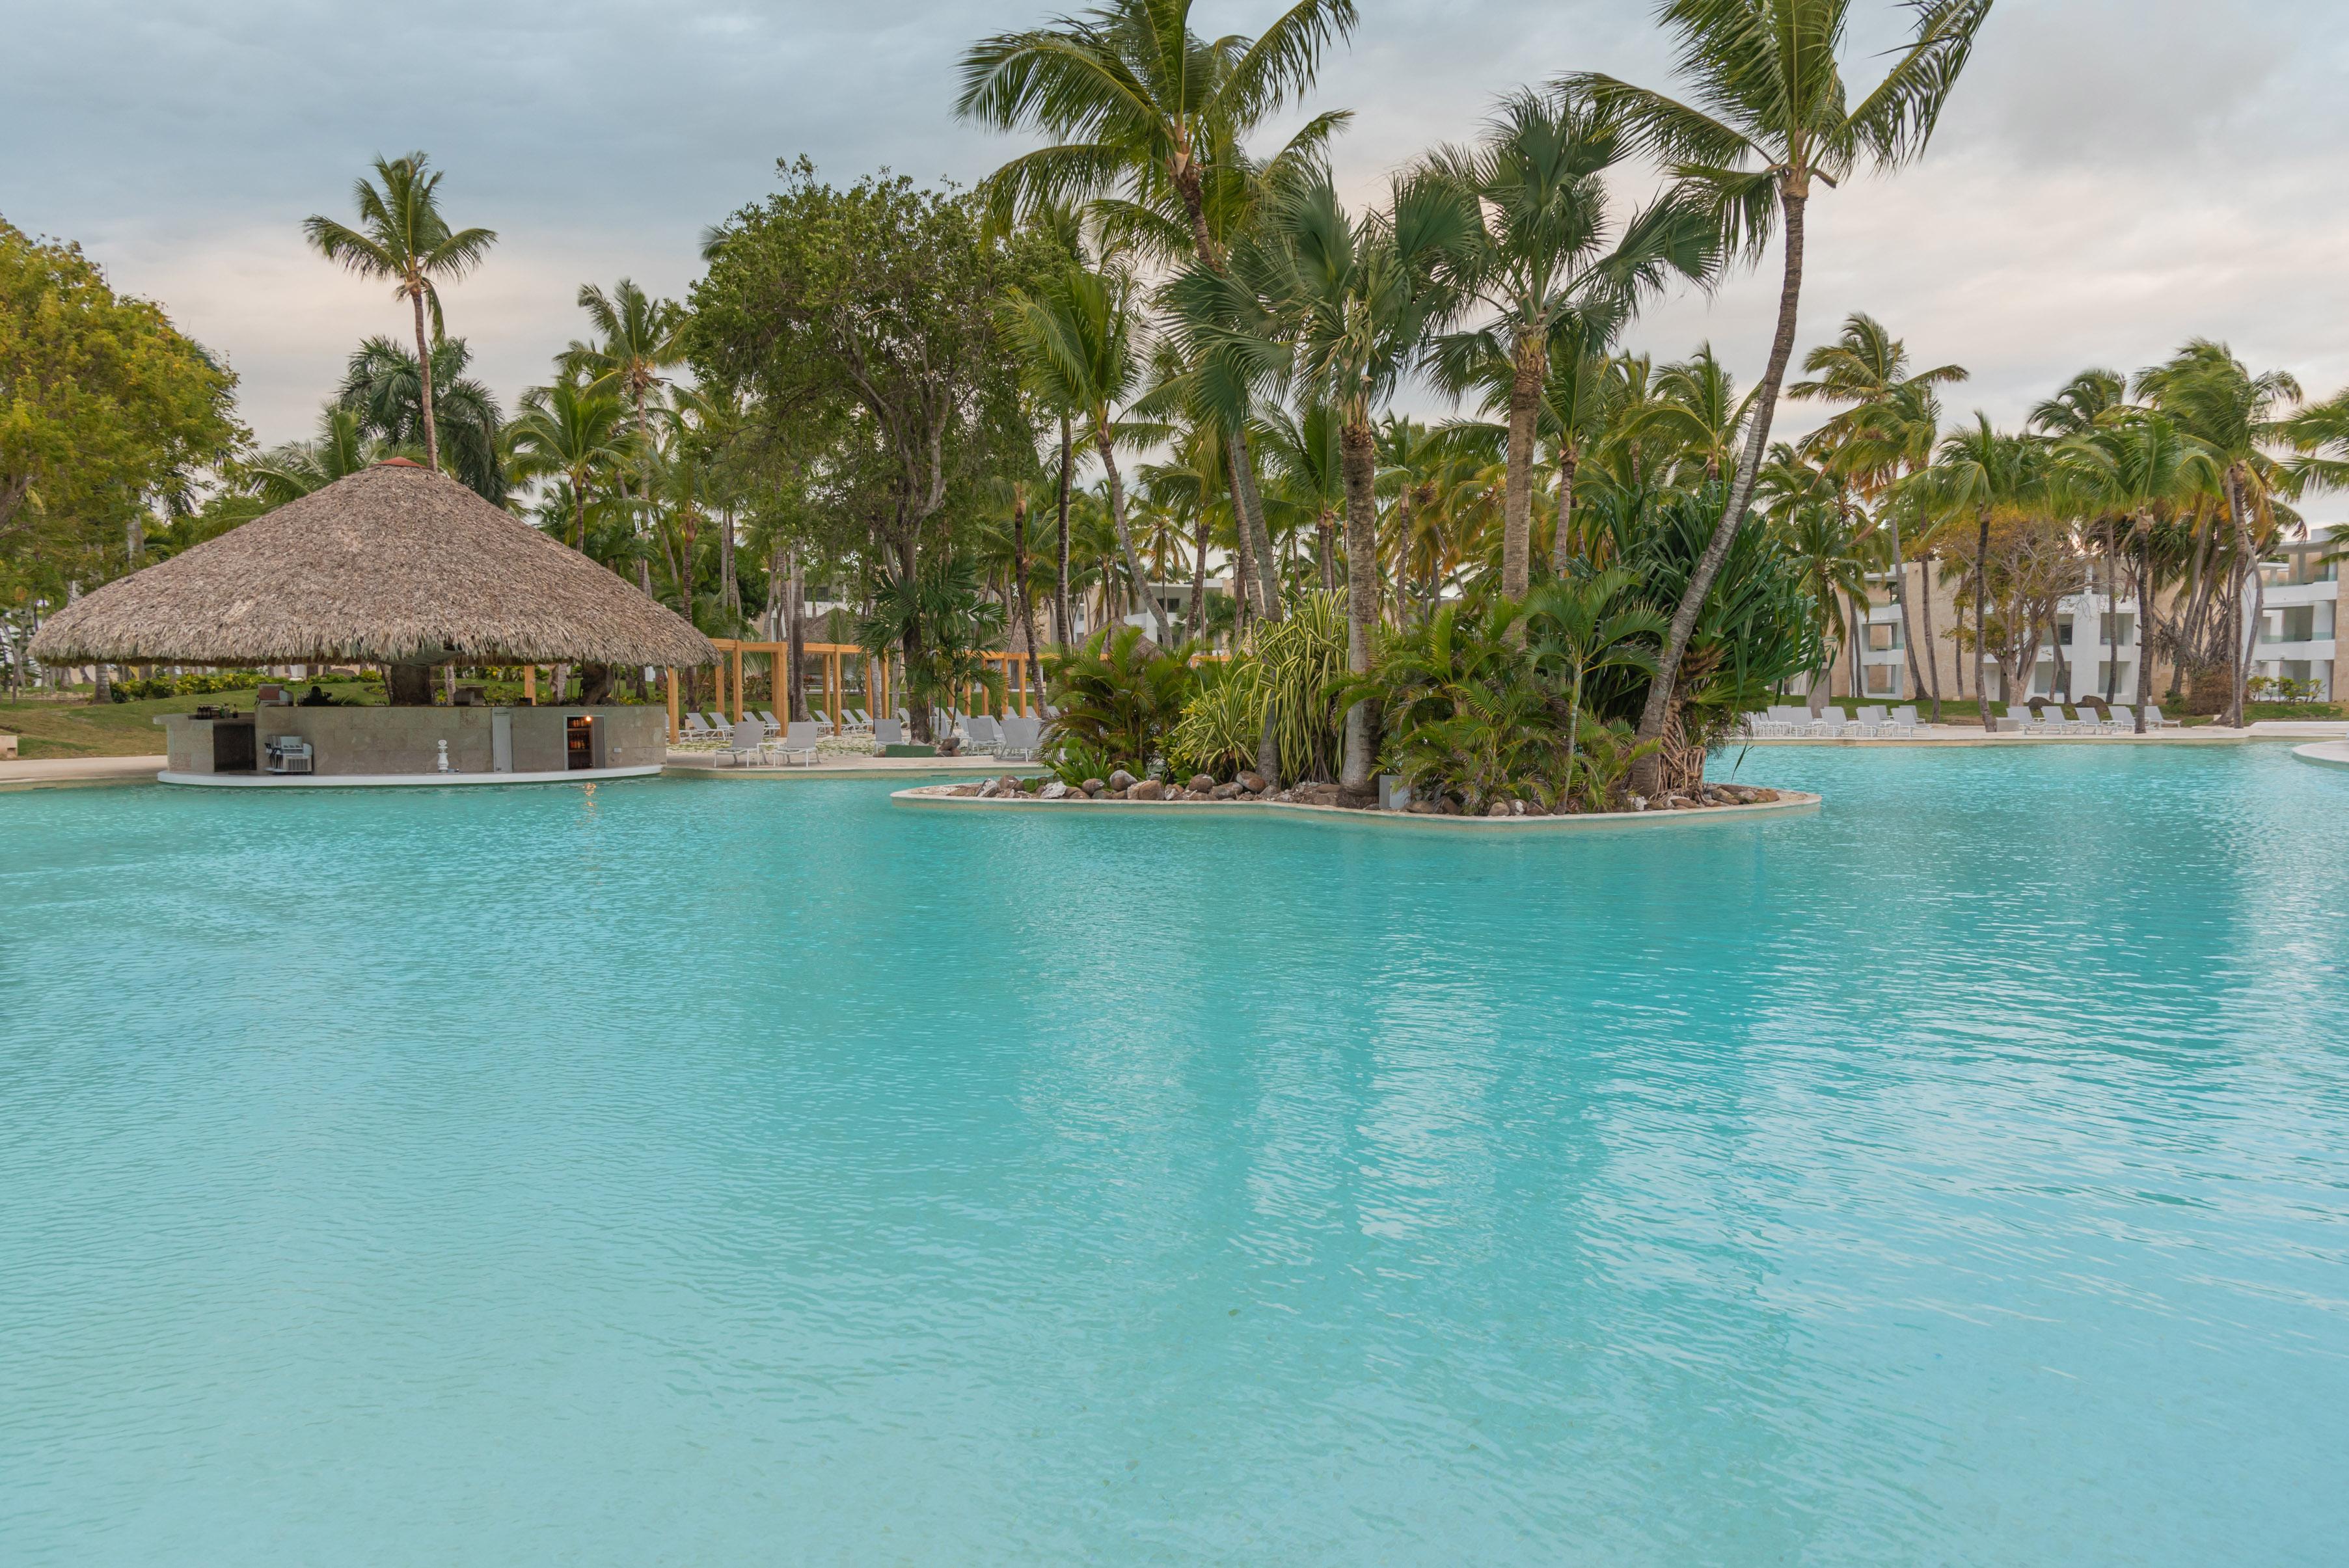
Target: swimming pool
<point x="720" y="1172"/>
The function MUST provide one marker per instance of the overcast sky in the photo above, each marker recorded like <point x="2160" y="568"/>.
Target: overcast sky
<point x="2113" y="177"/>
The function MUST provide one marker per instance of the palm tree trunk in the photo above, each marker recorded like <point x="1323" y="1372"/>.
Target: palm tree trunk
<point x="1019" y="574"/>
<point x="1932" y="643"/>
<point x="2112" y="627"/>
<point x="1358" y="454"/>
<point x="1560" y="549"/>
<point x="1325" y="548"/>
<point x="1124" y="534"/>
<point x="1517" y="496"/>
<point x="424" y="381"/>
<point x="2143" y="626"/>
<point x="729" y="588"/>
<point x="795" y="640"/>
<point x="1908" y="632"/>
<point x="1060" y="622"/>
<point x="1198" y="616"/>
<point x="2247" y="582"/>
<point x="1242" y="564"/>
<point x="1647" y="773"/>
<point x="1981" y="612"/>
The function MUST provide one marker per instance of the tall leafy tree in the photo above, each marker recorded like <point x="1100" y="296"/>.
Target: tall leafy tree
<point x="402" y="238"/>
<point x="575" y="433"/>
<point x="1146" y="115"/>
<point x="2236" y="414"/>
<point x="1342" y="308"/>
<point x="1079" y="335"/>
<point x="383" y="387"/>
<point x="1548" y="266"/>
<point x="1889" y="418"/>
<point x="1767" y="118"/>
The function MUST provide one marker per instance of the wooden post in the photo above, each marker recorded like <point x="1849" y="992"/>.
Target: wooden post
<point x="737" y="658"/>
<point x="668" y="678"/>
<point x="530" y="683"/>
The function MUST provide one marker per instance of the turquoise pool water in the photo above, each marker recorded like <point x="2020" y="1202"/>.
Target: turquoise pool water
<point x="717" y="1173"/>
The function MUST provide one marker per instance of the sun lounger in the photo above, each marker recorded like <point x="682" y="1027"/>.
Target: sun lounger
<point x="743" y="742"/>
<point x="1022" y="739"/>
<point x="889" y="732"/>
<point x="2121" y="719"/>
<point x="984" y="733"/>
<point x="797" y="745"/>
<point x="1902" y="720"/>
<point x="693" y="731"/>
<point x="2153" y="720"/>
<point x="1869" y="720"/>
<point x="767" y="718"/>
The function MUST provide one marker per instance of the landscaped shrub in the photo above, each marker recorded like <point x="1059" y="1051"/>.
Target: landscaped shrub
<point x="1120" y="695"/>
<point x="196" y="683"/>
<point x="1303" y="671"/>
<point x="1222" y="723"/>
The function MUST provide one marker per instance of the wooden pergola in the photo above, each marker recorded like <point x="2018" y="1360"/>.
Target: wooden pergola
<point x="1019" y="684"/>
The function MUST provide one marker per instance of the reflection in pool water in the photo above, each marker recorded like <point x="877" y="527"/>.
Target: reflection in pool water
<point x="709" y="1172"/>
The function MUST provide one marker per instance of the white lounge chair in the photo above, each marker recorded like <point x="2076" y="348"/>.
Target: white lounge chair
<point x="2154" y="720"/>
<point x="985" y="735"/>
<point x="767" y="718"/>
<point x="743" y="742"/>
<point x="1023" y="738"/>
<point x="1902" y="721"/>
<point x="889" y="732"/>
<point x="798" y="741"/>
<point x="2120" y="720"/>
<point x="693" y="731"/>
<point x="2021" y="720"/>
<point x="1869" y="720"/>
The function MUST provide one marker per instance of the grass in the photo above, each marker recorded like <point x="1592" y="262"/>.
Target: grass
<point x="76" y="727"/>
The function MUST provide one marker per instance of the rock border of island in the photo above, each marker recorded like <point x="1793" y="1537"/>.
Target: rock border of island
<point x="1715" y="802"/>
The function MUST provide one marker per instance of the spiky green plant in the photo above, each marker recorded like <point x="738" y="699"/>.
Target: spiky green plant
<point x="1303" y="657"/>
<point x="1221" y="724"/>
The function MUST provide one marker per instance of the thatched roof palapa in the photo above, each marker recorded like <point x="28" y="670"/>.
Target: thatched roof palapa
<point x="394" y="565"/>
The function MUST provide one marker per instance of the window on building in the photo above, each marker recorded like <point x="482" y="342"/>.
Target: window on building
<point x="2119" y="630"/>
<point x="1881" y="680"/>
<point x="2293" y="623"/>
<point x="1883" y="636"/>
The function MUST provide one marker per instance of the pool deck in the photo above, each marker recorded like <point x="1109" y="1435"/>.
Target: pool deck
<point x="1973" y="735"/>
<point x="2324" y="754"/>
<point x="936" y="796"/>
<point x="61" y="772"/>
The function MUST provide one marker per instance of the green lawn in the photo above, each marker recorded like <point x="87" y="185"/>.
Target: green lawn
<point x="79" y="728"/>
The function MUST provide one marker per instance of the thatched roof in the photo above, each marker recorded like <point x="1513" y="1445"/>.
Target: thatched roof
<point x="395" y="564"/>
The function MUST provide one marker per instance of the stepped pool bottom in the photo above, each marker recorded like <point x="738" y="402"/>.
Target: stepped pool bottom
<point x="678" y="1172"/>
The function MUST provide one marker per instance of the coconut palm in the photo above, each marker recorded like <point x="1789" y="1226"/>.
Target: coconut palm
<point x="1079" y="338"/>
<point x="403" y="238"/>
<point x="341" y="448"/>
<point x="1148" y="115"/>
<point x="1341" y="308"/>
<point x="1890" y="419"/>
<point x="1539" y="261"/>
<point x="2135" y="465"/>
<point x="1772" y="117"/>
<point x="383" y="387"/>
<point x="2234" y="414"/>
<point x="571" y="432"/>
<point x="1982" y="474"/>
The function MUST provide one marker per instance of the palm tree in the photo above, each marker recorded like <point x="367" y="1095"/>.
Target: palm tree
<point x="1078" y="338"/>
<point x="1890" y="419"/>
<point x="638" y="340"/>
<point x="1983" y="473"/>
<point x="1813" y="527"/>
<point x="384" y="388"/>
<point x="1579" y="627"/>
<point x="1149" y="117"/>
<point x="568" y="430"/>
<point x="1341" y="308"/>
<point x="2233" y="413"/>
<point x="2134" y="464"/>
<point x="403" y="238"/>
<point x="1776" y="119"/>
<point x="1539" y="262"/>
<point x="343" y="447"/>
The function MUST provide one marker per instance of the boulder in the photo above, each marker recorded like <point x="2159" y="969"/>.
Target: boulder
<point x="1447" y="807"/>
<point x="1007" y="785"/>
<point x="1200" y="784"/>
<point x="1055" y="791"/>
<point x="1516" y="807"/>
<point x="1223" y="791"/>
<point x="1146" y="789"/>
<point x="964" y="788"/>
<point x="1121" y="782"/>
<point x="1498" y="809"/>
<point x="1093" y="787"/>
<point x="1421" y="808"/>
<point x="989" y="790"/>
<point x="1254" y="783"/>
